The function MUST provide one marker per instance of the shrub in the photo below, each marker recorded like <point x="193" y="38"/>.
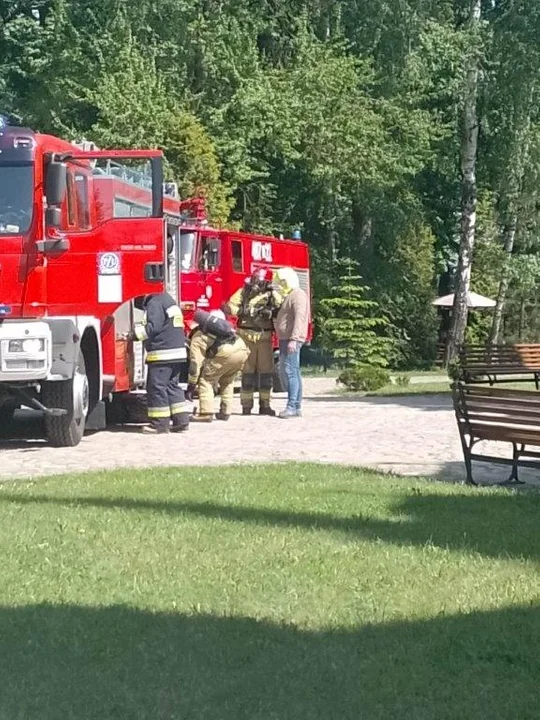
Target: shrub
<point x="367" y="378"/>
<point x="403" y="380"/>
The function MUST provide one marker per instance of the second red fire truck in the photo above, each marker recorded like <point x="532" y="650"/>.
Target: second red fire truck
<point x="83" y="232"/>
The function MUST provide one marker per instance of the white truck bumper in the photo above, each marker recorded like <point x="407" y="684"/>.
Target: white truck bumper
<point x="25" y="350"/>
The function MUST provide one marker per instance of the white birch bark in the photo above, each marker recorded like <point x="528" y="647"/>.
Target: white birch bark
<point x="469" y="143"/>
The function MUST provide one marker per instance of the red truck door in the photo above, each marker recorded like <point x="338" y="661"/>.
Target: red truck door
<point x="100" y="256"/>
<point x="210" y="266"/>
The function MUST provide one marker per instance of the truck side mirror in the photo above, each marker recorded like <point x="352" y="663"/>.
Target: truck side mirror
<point x="53" y="217"/>
<point x="56" y="182"/>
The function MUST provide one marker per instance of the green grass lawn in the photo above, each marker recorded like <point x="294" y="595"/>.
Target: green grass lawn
<point x="290" y="592"/>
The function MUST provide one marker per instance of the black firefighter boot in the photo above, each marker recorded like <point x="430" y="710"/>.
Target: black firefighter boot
<point x="265" y="409"/>
<point x="157" y="426"/>
<point x="180" y="422"/>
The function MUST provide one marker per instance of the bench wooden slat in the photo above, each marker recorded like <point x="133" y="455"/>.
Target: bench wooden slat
<point x="503" y="421"/>
<point x="506" y="435"/>
<point x="507" y="405"/>
<point x="483" y="391"/>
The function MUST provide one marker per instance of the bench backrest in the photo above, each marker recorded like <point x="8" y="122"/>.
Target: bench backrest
<point x="491" y="405"/>
<point x="500" y="357"/>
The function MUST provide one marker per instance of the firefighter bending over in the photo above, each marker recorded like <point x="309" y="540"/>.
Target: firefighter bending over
<point x="216" y="356"/>
<point x="255" y="305"/>
<point x="162" y="331"/>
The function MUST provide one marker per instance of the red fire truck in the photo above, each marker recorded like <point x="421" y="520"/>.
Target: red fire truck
<point x="81" y="236"/>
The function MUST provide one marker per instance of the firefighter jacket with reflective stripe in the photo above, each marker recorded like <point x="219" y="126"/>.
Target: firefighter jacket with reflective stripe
<point x="204" y="346"/>
<point x="162" y="330"/>
<point x="255" y="308"/>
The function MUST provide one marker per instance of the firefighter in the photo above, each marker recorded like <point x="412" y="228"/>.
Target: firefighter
<point x="162" y="331"/>
<point x="216" y="356"/>
<point x="255" y="305"/>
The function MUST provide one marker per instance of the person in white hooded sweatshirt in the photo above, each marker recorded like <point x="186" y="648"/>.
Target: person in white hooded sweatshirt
<point x="291" y="325"/>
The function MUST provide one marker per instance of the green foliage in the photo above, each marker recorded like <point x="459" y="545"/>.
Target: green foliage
<point x="133" y="109"/>
<point x="353" y="327"/>
<point x="367" y="378"/>
<point x="405" y="286"/>
<point x="336" y="117"/>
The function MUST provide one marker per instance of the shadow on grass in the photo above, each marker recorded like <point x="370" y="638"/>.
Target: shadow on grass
<point x="72" y="662"/>
<point x="495" y="525"/>
<point x="488" y="474"/>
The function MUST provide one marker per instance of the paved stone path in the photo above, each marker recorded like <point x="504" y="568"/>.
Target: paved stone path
<point x="409" y="435"/>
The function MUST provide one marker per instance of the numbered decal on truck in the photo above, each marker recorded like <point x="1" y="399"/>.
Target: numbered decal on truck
<point x="109" y="277"/>
<point x="261" y="251"/>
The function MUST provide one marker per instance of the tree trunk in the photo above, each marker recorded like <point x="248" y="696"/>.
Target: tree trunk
<point x="469" y="143"/>
<point x="512" y="191"/>
<point x="521" y="319"/>
<point x="509" y="237"/>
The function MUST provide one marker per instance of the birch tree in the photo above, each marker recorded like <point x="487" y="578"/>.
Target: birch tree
<point x="515" y="91"/>
<point x="468" y="151"/>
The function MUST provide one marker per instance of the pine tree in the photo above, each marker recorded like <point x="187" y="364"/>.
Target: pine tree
<point x="353" y="327"/>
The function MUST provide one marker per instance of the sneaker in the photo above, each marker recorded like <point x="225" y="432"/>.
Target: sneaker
<point x="287" y="413"/>
<point x="149" y="430"/>
<point x="222" y="416"/>
<point x="267" y="410"/>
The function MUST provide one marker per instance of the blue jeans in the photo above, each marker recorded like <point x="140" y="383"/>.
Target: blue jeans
<point x="289" y="369"/>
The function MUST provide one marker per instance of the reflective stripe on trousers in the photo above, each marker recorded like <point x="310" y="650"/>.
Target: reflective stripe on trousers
<point x="166" y="398"/>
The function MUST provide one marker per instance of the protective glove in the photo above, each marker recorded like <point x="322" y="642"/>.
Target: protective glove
<point x="266" y="314"/>
<point x="190" y="392"/>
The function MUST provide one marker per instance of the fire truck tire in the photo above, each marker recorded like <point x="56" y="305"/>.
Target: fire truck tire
<point x="71" y="395"/>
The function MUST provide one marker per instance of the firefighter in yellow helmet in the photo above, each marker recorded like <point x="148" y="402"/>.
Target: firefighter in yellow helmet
<point x="255" y="305"/>
<point x="216" y="356"/>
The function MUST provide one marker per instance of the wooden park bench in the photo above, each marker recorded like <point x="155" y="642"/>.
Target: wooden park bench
<point x="499" y="363"/>
<point x="498" y="414"/>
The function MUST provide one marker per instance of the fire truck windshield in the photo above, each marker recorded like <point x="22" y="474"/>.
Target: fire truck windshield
<point x="15" y="199"/>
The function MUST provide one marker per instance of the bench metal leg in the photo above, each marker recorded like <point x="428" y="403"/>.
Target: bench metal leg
<point x="467" y="450"/>
<point x="513" y="479"/>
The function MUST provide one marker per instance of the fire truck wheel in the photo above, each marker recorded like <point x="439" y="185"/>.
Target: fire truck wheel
<point x="71" y="395"/>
